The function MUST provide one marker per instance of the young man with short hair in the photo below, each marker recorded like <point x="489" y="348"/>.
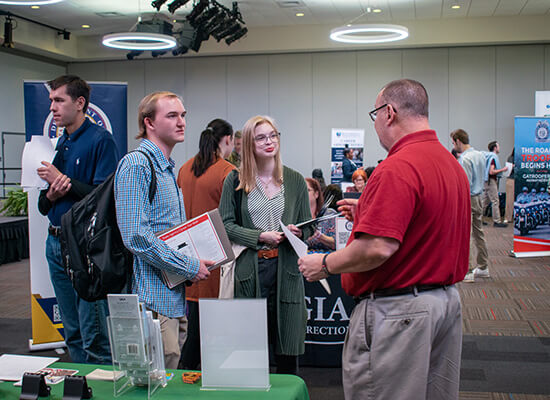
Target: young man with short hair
<point x="161" y="118"/>
<point x="86" y="156"/>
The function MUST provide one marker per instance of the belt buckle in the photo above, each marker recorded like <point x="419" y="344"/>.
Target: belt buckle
<point x="264" y="256"/>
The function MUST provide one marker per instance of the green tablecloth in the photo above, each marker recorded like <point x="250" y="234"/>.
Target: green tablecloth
<point x="282" y="387"/>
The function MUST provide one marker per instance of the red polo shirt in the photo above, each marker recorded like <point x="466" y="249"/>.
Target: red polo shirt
<point x="420" y="196"/>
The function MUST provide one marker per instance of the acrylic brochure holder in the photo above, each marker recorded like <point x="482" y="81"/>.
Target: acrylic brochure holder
<point x="234" y="346"/>
<point x="137" y="352"/>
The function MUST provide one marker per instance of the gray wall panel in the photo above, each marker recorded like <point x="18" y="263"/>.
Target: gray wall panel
<point x="374" y="70"/>
<point x="135" y="77"/>
<point x="290" y="100"/>
<point x="431" y="67"/>
<point x="472" y="105"/>
<point x="94" y="71"/>
<point x="334" y="102"/>
<point x="205" y="99"/>
<point x="247" y="88"/>
<point x="520" y="72"/>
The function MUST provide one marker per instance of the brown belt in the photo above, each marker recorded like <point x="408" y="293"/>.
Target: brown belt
<point x="271" y="253"/>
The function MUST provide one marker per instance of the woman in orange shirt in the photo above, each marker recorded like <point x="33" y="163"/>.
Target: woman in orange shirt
<point x="201" y="180"/>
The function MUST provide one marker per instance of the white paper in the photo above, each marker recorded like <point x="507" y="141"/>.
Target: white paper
<point x="12" y="366"/>
<point x="39" y="149"/>
<point x="301" y="250"/>
<point x="509" y="165"/>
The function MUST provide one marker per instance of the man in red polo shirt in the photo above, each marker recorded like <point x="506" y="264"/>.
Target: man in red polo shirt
<point x="408" y="247"/>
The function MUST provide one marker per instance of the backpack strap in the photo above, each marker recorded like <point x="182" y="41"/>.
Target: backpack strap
<point x="153" y="183"/>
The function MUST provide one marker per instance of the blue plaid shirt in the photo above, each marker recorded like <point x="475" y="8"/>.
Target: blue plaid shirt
<point x="138" y="221"/>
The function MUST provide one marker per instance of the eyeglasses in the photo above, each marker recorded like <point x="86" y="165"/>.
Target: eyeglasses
<point x="372" y="114"/>
<point x="262" y="139"/>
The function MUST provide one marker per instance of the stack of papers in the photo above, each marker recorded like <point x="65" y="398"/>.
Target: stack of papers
<point x="13" y="366"/>
<point x="39" y="149"/>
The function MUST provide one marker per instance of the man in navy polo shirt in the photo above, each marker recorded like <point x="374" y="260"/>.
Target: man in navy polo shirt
<point x="86" y="156"/>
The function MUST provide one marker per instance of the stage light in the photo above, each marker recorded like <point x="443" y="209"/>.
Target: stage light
<point x="197" y="10"/>
<point x="8" y="33"/>
<point x="131" y="55"/>
<point x="173" y="6"/>
<point x="158" y="4"/>
<point x="236" y="36"/>
<point x="158" y="53"/>
<point x="230" y="29"/>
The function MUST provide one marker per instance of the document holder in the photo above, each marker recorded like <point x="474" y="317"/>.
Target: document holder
<point x="137" y="352"/>
<point x="34" y="386"/>
<point x="234" y="346"/>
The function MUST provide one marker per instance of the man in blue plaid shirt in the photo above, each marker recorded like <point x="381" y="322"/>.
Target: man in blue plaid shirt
<point x="161" y="126"/>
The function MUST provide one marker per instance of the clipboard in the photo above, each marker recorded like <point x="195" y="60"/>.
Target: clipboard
<point x="203" y="237"/>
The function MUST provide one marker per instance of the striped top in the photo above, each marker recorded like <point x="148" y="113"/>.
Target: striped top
<point x="266" y="212"/>
<point x="138" y="220"/>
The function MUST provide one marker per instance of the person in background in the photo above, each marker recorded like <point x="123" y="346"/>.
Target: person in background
<point x="369" y="171"/>
<point x="473" y="162"/>
<point x="254" y="201"/>
<point x="201" y="181"/>
<point x="510" y="187"/>
<point x="161" y="119"/>
<point x="408" y="248"/>
<point x="492" y="175"/>
<point x="359" y="179"/>
<point x="335" y="190"/>
<point x="86" y="156"/>
<point x="348" y="166"/>
<point x="317" y="174"/>
<point x="324" y="236"/>
<point x="235" y="156"/>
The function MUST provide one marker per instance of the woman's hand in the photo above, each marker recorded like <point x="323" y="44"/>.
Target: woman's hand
<point x="296" y="231"/>
<point x="272" y="238"/>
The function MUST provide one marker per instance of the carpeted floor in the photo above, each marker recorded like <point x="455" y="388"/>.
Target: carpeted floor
<point x="506" y="322"/>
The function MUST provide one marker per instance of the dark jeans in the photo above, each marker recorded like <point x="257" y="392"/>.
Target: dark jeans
<point x="84" y="323"/>
<point x="191" y="352"/>
<point x="267" y="272"/>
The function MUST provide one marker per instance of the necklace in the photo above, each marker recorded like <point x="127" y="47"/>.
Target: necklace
<point x="266" y="182"/>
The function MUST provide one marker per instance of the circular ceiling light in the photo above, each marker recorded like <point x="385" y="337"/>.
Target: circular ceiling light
<point x="29" y="2"/>
<point x="139" y="41"/>
<point x="369" y="33"/>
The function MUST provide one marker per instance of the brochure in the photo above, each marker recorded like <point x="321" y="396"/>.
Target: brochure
<point x="203" y="237"/>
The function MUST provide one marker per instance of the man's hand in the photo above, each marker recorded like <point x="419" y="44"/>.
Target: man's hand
<point x="49" y="172"/>
<point x="296" y="231"/>
<point x="271" y="237"/>
<point x="59" y="187"/>
<point x="310" y="267"/>
<point x="348" y="207"/>
<point x="203" y="270"/>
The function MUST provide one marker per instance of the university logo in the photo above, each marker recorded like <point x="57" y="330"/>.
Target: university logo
<point x="94" y="114"/>
<point x="541" y="132"/>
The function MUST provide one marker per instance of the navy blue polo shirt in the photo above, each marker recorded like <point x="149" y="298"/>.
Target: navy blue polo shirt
<point x="88" y="155"/>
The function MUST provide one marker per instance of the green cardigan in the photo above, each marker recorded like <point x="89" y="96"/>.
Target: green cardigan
<point x="291" y="307"/>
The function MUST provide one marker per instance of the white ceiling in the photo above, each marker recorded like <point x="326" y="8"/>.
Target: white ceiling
<point x="105" y="16"/>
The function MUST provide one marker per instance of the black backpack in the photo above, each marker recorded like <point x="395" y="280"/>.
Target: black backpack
<point x="95" y="258"/>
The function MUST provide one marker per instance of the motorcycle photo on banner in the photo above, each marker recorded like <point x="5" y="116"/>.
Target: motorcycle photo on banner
<point x="532" y="187"/>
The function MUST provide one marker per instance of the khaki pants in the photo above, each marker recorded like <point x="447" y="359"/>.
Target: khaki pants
<point x="490" y="194"/>
<point x="509" y="200"/>
<point x="174" y="333"/>
<point x="477" y="238"/>
<point x="404" y="347"/>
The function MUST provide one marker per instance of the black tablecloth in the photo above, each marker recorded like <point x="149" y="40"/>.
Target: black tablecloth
<point x="14" y="239"/>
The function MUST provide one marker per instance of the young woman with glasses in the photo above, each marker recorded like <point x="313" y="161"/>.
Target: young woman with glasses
<point x="253" y="202"/>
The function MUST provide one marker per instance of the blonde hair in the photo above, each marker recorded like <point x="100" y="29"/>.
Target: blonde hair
<point x="249" y="168"/>
<point x="148" y="109"/>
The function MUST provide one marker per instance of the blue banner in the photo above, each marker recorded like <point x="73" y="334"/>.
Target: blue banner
<point x="532" y="187"/>
<point x="107" y="108"/>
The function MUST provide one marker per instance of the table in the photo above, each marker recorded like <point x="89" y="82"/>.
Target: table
<point x="14" y="239"/>
<point x="288" y="387"/>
